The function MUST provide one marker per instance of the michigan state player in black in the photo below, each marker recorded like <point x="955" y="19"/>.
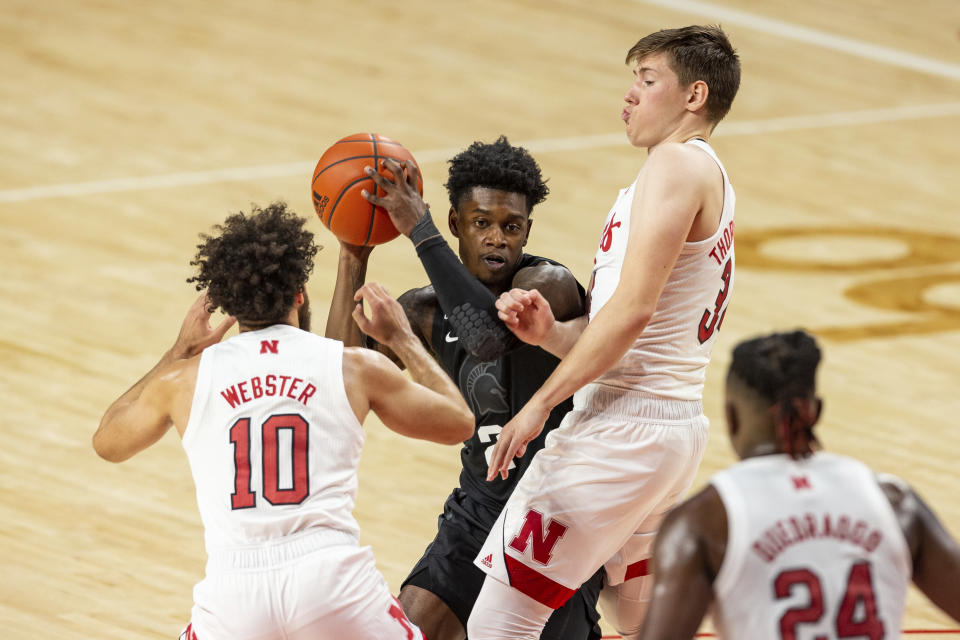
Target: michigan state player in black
<point x="493" y="189"/>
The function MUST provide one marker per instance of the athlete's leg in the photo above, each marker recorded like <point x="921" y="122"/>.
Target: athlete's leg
<point x="431" y="614"/>
<point x="578" y="618"/>
<point x="506" y="614"/>
<point x="624" y="603"/>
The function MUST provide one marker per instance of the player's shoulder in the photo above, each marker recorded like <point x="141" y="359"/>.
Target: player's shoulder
<point x="419" y="300"/>
<point x="681" y="161"/>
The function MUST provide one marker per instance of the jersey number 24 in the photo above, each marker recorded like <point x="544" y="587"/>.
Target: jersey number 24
<point x="857" y="598"/>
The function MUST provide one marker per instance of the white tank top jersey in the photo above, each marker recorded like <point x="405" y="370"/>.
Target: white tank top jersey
<point x="814" y="550"/>
<point x="670" y="357"/>
<point x="272" y="440"/>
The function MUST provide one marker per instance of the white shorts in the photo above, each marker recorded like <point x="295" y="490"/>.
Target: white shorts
<point x="315" y="584"/>
<point x="596" y="494"/>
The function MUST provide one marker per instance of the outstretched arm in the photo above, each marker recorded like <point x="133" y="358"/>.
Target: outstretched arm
<point x="430" y="406"/>
<point x="935" y="553"/>
<point x="351" y="274"/>
<point x="141" y="416"/>
<point x="669" y="196"/>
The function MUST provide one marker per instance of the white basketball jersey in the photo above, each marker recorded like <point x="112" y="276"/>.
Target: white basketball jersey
<point x="670" y="357"/>
<point x="814" y="550"/>
<point x="272" y="440"/>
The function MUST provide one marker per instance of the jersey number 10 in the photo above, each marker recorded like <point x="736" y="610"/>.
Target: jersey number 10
<point x="244" y="497"/>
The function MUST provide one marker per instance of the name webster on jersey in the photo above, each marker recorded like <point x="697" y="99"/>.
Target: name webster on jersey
<point x="288" y="386"/>
<point x="790" y="531"/>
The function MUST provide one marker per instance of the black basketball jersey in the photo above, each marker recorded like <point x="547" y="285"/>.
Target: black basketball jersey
<point x="495" y="391"/>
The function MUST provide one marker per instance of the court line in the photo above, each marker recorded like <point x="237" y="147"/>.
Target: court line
<point x="877" y="53"/>
<point x="546" y="145"/>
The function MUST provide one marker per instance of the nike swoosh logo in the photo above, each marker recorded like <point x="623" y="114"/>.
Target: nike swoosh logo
<point x="450" y="338"/>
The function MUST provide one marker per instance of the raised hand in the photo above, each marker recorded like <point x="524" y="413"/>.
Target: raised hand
<point x="401" y="197"/>
<point x="526" y="313"/>
<point x="196" y="333"/>
<point x="387" y="322"/>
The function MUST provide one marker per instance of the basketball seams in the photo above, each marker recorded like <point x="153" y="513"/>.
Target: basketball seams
<point x="373" y="207"/>
<point x="339" y="187"/>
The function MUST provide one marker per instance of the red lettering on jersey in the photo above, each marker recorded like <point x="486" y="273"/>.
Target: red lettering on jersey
<point x="800" y="482"/>
<point x="269" y="346"/>
<point x="230" y="395"/>
<point x="292" y="391"/>
<point x="256" y="387"/>
<point x="307" y="393"/>
<point x="243" y="391"/>
<point x="532" y="531"/>
<point x="270" y="382"/>
<point x="606" y="240"/>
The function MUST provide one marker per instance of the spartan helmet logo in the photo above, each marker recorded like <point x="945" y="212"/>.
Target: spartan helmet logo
<point x="482" y="389"/>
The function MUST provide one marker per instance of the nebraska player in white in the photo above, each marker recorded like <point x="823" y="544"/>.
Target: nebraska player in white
<point x="629" y="450"/>
<point x="790" y="543"/>
<point x="271" y="423"/>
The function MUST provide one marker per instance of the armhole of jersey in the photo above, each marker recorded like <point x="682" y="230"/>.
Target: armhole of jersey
<point x="200" y="395"/>
<point x="336" y="351"/>
<point x="691" y="247"/>
<point x="906" y="558"/>
<point x="732" y="563"/>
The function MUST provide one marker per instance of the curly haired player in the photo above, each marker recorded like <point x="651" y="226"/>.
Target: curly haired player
<point x="493" y="188"/>
<point x="270" y="421"/>
<point x="794" y="542"/>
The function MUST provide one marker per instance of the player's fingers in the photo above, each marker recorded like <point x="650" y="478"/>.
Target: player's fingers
<point x="372" y="198"/>
<point x="224" y="326"/>
<point x="358" y="316"/>
<point x="378" y="178"/>
<point x="413" y="173"/>
<point x="393" y="167"/>
<point x="537" y="298"/>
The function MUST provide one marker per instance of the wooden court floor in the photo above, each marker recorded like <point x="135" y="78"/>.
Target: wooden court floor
<point x="127" y="128"/>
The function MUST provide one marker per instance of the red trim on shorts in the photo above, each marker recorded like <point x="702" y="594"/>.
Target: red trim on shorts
<point x="637" y="570"/>
<point x="536" y="585"/>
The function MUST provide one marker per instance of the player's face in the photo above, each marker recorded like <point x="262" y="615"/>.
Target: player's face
<point x="656" y="102"/>
<point x="492" y="227"/>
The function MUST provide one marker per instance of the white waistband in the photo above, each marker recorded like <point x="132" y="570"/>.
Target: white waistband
<point x="278" y="551"/>
<point x="608" y="400"/>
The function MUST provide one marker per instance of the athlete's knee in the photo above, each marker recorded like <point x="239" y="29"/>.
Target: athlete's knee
<point x="503" y="613"/>
<point x="625" y="605"/>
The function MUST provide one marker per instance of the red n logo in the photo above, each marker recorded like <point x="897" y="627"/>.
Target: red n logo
<point x="268" y="346"/>
<point x="800" y="482"/>
<point x="532" y="530"/>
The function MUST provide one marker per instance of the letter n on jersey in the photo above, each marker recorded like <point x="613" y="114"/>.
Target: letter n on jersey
<point x="532" y="531"/>
<point x="269" y="346"/>
<point x="528" y="580"/>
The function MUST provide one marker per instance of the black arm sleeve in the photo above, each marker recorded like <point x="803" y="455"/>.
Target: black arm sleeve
<point x="468" y="304"/>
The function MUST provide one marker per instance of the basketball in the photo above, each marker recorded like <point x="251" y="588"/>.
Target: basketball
<point x="339" y="178"/>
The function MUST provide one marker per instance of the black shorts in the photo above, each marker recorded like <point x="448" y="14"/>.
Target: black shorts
<point x="447" y="570"/>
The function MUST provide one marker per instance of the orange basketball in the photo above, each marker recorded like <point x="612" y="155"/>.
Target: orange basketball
<point x="339" y="179"/>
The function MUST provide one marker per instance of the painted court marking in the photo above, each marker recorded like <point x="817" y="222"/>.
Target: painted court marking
<point x="546" y="145"/>
<point x="876" y="53"/>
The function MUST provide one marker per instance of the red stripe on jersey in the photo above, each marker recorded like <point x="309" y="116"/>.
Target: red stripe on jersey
<point x="637" y="570"/>
<point x="536" y="585"/>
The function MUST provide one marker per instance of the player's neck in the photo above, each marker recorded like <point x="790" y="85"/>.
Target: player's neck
<point x="685" y="133"/>
<point x="763" y="448"/>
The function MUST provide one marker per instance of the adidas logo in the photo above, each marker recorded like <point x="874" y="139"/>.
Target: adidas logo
<point x="488" y="561"/>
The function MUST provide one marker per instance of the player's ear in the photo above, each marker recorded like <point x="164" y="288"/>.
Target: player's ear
<point x="733" y="420"/>
<point x="300" y="298"/>
<point x="697" y="98"/>
<point x="817" y="410"/>
<point x="453" y="219"/>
